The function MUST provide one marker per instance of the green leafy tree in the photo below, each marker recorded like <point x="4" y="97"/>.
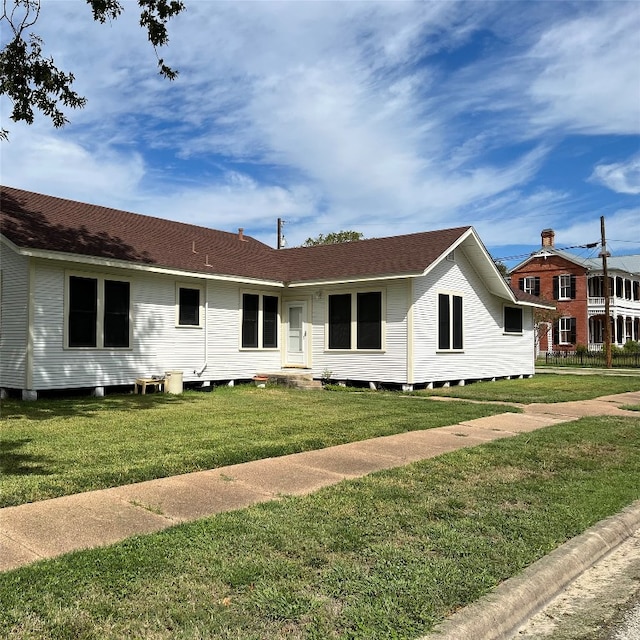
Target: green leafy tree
<point x="33" y="82"/>
<point x="333" y="238"/>
<point x="543" y="321"/>
<point x="502" y="268"/>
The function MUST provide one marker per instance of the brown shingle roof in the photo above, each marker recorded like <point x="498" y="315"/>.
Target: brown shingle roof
<point x="36" y="221"/>
<point x="523" y="296"/>
<point x="396" y="255"/>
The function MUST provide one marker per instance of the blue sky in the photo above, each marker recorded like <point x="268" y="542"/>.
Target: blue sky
<point x="381" y="117"/>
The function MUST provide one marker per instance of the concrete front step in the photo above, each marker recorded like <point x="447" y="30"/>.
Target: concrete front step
<point x="293" y="379"/>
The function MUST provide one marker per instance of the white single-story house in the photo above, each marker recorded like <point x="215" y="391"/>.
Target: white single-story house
<point x="93" y="297"/>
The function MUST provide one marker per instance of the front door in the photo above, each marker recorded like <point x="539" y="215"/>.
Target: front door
<point x="296" y="355"/>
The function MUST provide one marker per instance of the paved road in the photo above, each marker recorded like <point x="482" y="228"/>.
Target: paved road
<point x="602" y="604"/>
<point x="628" y="626"/>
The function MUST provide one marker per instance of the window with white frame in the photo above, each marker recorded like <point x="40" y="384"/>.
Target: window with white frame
<point x="98" y="312"/>
<point x="260" y="321"/>
<point x="530" y="285"/>
<point x="564" y="287"/>
<point x="188" y="305"/>
<point x="355" y="321"/>
<point x="513" y="320"/>
<point x="566" y="333"/>
<point x="450" y="322"/>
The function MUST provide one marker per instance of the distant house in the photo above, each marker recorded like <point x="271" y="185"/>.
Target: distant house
<point x="95" y="297"/>
<point x="576" y="285"/>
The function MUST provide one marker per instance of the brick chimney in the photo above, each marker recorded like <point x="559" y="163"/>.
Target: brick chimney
<point x="548" y="237"/>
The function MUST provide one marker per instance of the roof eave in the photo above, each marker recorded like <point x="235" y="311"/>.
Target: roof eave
<point x="353" y="280"/>
<point x="96" y="261"/>
<point x="496" y="283"/>
<point x="535" y="305"/>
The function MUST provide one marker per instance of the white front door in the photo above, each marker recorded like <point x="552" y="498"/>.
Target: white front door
<point x="296" y="334"/>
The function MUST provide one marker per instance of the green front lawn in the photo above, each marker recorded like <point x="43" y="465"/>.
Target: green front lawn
<point x="547" y="387"/>
<point x="58" y="447"/>
<point x="385" y="556"/>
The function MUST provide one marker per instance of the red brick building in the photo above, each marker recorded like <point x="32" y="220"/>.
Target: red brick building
<point x="576" y="286"/>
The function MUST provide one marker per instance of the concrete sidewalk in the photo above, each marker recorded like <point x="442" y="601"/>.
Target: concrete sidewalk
<point x="49" y="528"/>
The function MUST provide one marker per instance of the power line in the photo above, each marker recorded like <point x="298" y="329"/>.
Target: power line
<point x="591" y="245"/>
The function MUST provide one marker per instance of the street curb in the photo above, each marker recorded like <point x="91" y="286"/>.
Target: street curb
<point x="498" y="615"/>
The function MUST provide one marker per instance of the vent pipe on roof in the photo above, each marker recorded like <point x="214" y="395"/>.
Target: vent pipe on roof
<point x="241" y="234"/>
<point x="548" y="237"/>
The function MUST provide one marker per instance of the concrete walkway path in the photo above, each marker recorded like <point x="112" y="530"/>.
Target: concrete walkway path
<point x="49" y="528"/>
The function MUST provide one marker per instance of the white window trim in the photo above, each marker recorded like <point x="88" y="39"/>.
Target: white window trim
<point x="354" y="320"/>
<point x="529" y="285"/>
<point x="563" y="322"/>
<point x="261" y="294"/>
<point x="504" y="327"/>
<point x="451" y="295"/>
<point x="187" y="285"/>
<point x="100" y="277"/>
<point x="564" y="285"/>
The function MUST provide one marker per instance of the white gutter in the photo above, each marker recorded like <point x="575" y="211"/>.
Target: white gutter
<point x="535" y="305"/>
<point x="320" y="283"/>
<point x="133" y="266"/>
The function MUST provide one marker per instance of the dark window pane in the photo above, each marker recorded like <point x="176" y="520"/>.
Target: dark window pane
<point x="189" y="307"/>
<point x="269" y="322"/>
<point x="116" y="313"/>
<point x="340" y="321"/>
<point x="250" y="320"/>
<point x="457" y="322"/>
<point x="83" y="311"/>
<point x="369" y="331"/>
<point x="444" y="322"/>
<point x="512" y="320"/>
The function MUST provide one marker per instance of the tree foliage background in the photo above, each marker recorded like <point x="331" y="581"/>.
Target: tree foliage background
<point x="333" y="238"/>
<point x="33" y="82"/>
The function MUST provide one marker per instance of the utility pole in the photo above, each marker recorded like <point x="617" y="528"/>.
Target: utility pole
<point x="607" y="307"/>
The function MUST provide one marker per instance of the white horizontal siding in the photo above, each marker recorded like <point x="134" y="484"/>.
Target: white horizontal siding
<point x="388" y="365"/>
<point x="158" y="345"/>
<point x="55" y="367"/>
<point x="14" y="313"/>
<point x="212" y="351"/>
<point x="226" y="360"/>
<point x="487" y="352"/>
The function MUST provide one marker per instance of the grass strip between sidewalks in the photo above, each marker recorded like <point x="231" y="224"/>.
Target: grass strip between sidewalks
<point x="385" y="556"/>
<point x="51" y="448"/>
<point x="548" y="387"/>
<point x="59" y="447"/>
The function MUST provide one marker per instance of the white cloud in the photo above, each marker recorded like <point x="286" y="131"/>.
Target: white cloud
<point x="588" y="77"/>
<point x="55" y="165"/>
<point x="338" y="115"/>
<point x="621" y="177"/>
<point x="622" y="231"/>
